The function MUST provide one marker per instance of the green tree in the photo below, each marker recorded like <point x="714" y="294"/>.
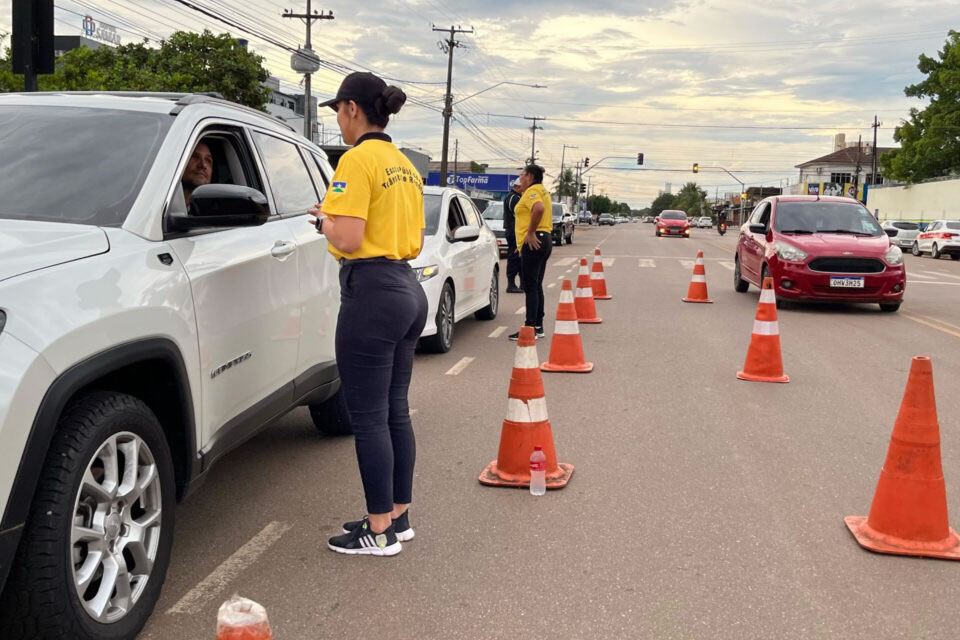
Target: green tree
<point x="600" y="204"/>
<point x="689" y="199"/>
<point x="476" y="167"/>
<point x="663" y="201"/>
<point x="186" y="62"/>
<point x="566" y="184"/>
<point x="929" y="141"/>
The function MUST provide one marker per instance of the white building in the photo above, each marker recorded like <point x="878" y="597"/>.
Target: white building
<point x="847" y="164"/>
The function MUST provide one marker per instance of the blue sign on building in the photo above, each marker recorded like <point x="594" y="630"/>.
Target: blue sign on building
<point x="470" y="181"/>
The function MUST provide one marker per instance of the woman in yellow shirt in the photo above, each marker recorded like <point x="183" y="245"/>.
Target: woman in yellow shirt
<point x="373" y="219"/>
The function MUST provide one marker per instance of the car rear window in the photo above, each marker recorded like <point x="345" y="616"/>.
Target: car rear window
<point x="906" y="226"/>
<point x="557" y="211"/>
<point x="673" y="215"/>
<point x="953" y="226"/>
<point x="72" y="164"/>
<point x="820" y="216"/>
<point x="494" y="211"/>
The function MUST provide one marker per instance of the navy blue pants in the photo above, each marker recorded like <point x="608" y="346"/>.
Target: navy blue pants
<point x="382" y="311"/>
<point x="513" y="257"/>
<point x="533" y="266"/>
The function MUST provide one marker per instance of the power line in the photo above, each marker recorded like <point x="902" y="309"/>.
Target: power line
<point x="688" y="125"/>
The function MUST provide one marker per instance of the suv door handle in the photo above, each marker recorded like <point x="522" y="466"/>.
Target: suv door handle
<point x="282" y="249"/>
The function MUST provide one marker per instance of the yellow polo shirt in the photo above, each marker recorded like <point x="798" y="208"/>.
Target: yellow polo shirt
<point x="536" y="193"/>
<point x="377" y="183"/>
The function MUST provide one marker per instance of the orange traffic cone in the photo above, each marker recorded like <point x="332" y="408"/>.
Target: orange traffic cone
<point x="566" y="349"/>
<point x="526" y="425"/>
<point x="763" y="362"/>
<point x="698" y="284"/>
<point x="242" y="619"/>
<point x="597" y="281"/>
<point x="909" y="512"/>
<point x="586" y="310"/>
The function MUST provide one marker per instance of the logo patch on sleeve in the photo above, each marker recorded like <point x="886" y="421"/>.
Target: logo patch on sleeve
<point x="339" y="187"/>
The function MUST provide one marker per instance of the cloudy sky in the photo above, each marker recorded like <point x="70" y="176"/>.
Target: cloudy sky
<point x="756" y="87"/>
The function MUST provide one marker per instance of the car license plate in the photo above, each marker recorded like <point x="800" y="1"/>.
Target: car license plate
<point x="847" y="283"/>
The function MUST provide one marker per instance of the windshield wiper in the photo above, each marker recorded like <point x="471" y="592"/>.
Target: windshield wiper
<point x="803" y="231"/>
<point x="847" y="231"/>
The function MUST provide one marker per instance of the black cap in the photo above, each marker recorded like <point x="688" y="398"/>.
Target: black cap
<point x="361" y="87"/>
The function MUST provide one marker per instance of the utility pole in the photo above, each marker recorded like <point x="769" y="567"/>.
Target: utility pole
<point x="856" y="178"/>
<point x="447" y="46"/>
<point x="456" y="159"/>
<point x="562" y="157"/>
<point x="876" y="125"/>
<point x="307" y="62"/>
<point x="533" y="143"/>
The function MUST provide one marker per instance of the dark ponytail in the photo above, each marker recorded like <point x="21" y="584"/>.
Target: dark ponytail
<point x="386" y="104"/>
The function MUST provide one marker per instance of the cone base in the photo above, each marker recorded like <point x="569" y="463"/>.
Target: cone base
<point x="596" y="297"/>
<point x="584" y="367"/>
<point x="492" y="477"/>
<point x="752" y="378"/>
<point x="704" y="300"/>
<point x="872" y="540"/>
<point x="590" y="320"/>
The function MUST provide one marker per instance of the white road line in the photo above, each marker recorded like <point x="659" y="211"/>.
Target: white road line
<point x="561" y="277"/>
<point x="496" y="333"/>
<point x="941" y="274"/>
<point x="195" y="599"/>
<point x="954" y="284"/>
<point x="551" y="285"/>
<point x="521" y="311"/>
<point x="728" y="265"/>
<point x="917" y="275"/>
<point x="647" y="263"/>
<point x="608" y="262"/>
<point x="460" y="366"/>
<point x="564" y="262"/>
<point x="414" y="412"/>
<point x="688" y="264"/>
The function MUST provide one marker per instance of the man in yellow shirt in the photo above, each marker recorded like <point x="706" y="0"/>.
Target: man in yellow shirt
<point x="534" y="224"/>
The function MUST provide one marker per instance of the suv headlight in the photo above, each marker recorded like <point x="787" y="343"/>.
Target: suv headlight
<point x="894" y="257"/>
<point x="425" y="273"/>
<point x="790" y="253"/>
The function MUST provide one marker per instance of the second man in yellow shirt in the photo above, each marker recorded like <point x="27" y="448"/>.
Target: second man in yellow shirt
<point x="534" y="224"/>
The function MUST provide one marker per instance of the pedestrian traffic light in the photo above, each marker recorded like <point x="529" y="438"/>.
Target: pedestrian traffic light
<point x="583" y="187"/>
<point x="639" y="158"/>
<point x="586" y="162"/>
<point x="696" y="167"/>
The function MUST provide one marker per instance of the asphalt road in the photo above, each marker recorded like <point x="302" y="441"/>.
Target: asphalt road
<point x="701" y="506"/>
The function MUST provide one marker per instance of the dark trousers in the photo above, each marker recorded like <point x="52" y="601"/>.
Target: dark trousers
<point x="533" y="266"/>
<point x="382" y="311"/>
<point x="513" y="258"/>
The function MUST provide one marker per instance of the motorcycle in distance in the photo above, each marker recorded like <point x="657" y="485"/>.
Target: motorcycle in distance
<point x="721" y="227"/>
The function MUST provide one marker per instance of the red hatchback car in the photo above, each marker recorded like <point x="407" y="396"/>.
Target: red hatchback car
<point x="673" y="223"/>
<point x="822" y="249"/>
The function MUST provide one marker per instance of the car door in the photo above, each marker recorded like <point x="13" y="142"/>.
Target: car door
<point x="244" y="283"/>
<point x="926" y="242"/>
<point x="298" y="183"/>
<point x="459" y="258"/>
<point x="754" y="244"/>
<point x="481" y="265"/>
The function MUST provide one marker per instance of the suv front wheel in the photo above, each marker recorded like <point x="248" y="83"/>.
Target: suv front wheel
<point x="96" y="547"/>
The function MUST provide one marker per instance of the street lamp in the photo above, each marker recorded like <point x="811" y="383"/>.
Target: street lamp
<point x="516" y="84"/>
<point x="562" y="157"/>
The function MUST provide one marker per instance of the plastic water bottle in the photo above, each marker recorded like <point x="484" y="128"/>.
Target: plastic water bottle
<point x="538" y="472"/>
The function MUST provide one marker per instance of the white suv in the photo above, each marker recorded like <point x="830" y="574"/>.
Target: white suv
<point x="141" y="339"/>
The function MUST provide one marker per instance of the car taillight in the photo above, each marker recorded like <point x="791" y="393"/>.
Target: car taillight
<point x="947" y="235"/>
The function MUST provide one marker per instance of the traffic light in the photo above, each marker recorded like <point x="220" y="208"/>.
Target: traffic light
<point x="583" y="187"/>
<point x="586" y="162"/>
<point x="696" y="167"/>
<point x="639" y="158"/>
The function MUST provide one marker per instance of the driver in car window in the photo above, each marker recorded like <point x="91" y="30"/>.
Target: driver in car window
<point x="199" y="170"/>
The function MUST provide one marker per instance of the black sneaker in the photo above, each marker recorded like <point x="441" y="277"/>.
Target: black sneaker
<point x="401" y="526"/>
<point x="512" y="288"/>
<point x="537" y="331"/>
<point x="364" y="542"/>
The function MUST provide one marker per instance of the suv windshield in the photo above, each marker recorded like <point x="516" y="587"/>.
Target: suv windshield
<point x="825" y="217"/>
<point x="557" y="212"/>
<point x="494" y="211"/>
<point x="673" y="215"/>
<point x="69" y="164"/>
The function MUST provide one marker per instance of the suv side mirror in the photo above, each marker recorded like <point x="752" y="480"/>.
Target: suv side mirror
<point x="758" y="228"/>
<point x="222" y="205"/>
<point x="466" y="233"/>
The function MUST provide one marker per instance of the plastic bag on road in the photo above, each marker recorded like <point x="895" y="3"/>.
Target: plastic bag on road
<point x="242" y="619"/>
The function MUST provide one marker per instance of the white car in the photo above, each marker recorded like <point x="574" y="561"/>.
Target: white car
<point x="141" y="339"/>
<point x="704" y="222"/>
<point x="902" y="232"/>
<point x="493" y="218"/>
<point x="942" y="237"/>
<point x="459" y="266"/>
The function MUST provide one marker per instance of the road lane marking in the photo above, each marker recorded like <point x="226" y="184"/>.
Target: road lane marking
<point x="208" y="588"/>
<point x="520" y="311"/>
<point x="564" y="262"/>
<point x="647" y="263"/>
<point x="917" y="275"/>
<point x="496" y="333"/>
<point x="456" y="369"/>
<point x="688" y="264"/>
<point x="728" y="265"/>
<point x="941" y="274"/>
<point x="938" y="321"/>
<point x="931" y="325"/>
<point x="608" y="262"/>
<point x="952" y="284"/>
<point x="551" y="285"/>
<point x="561" y="277"/>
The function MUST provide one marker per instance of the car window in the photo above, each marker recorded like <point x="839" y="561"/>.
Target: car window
<point x="557" y="211"/>
<point x="494" y="211"/>
<point x="319" y="164"/>
<point x="319" y="179"/>
<point x="934" y="226"/>
<point x="455" y="217"/>
<point x="906" y="226"/>
<point x="953" y="226"/>
<point x="289" y="178"/>
<point x="432" y="203"/>
<point x="672" y="215"/>
<point x="469" y="212"/>
<point x="825" y="217"/>
<point x="761" y="215"/>
<point x="68" y="164"/>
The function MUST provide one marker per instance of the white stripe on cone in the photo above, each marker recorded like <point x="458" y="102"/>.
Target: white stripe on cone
<point x="567" y="327"/>
<point x="764" y="328"/>
<point x="566" y="296"/>
<point x="533" y="410"/>
<point x="700" y="261"/>
<point x="526" y="358"/>
<point x="767" y="296"/>
<point x="585" y="293"/>
<point x="596" y="275"/>
<point x="698" y="278"/>
<point x="583" y="270"/>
